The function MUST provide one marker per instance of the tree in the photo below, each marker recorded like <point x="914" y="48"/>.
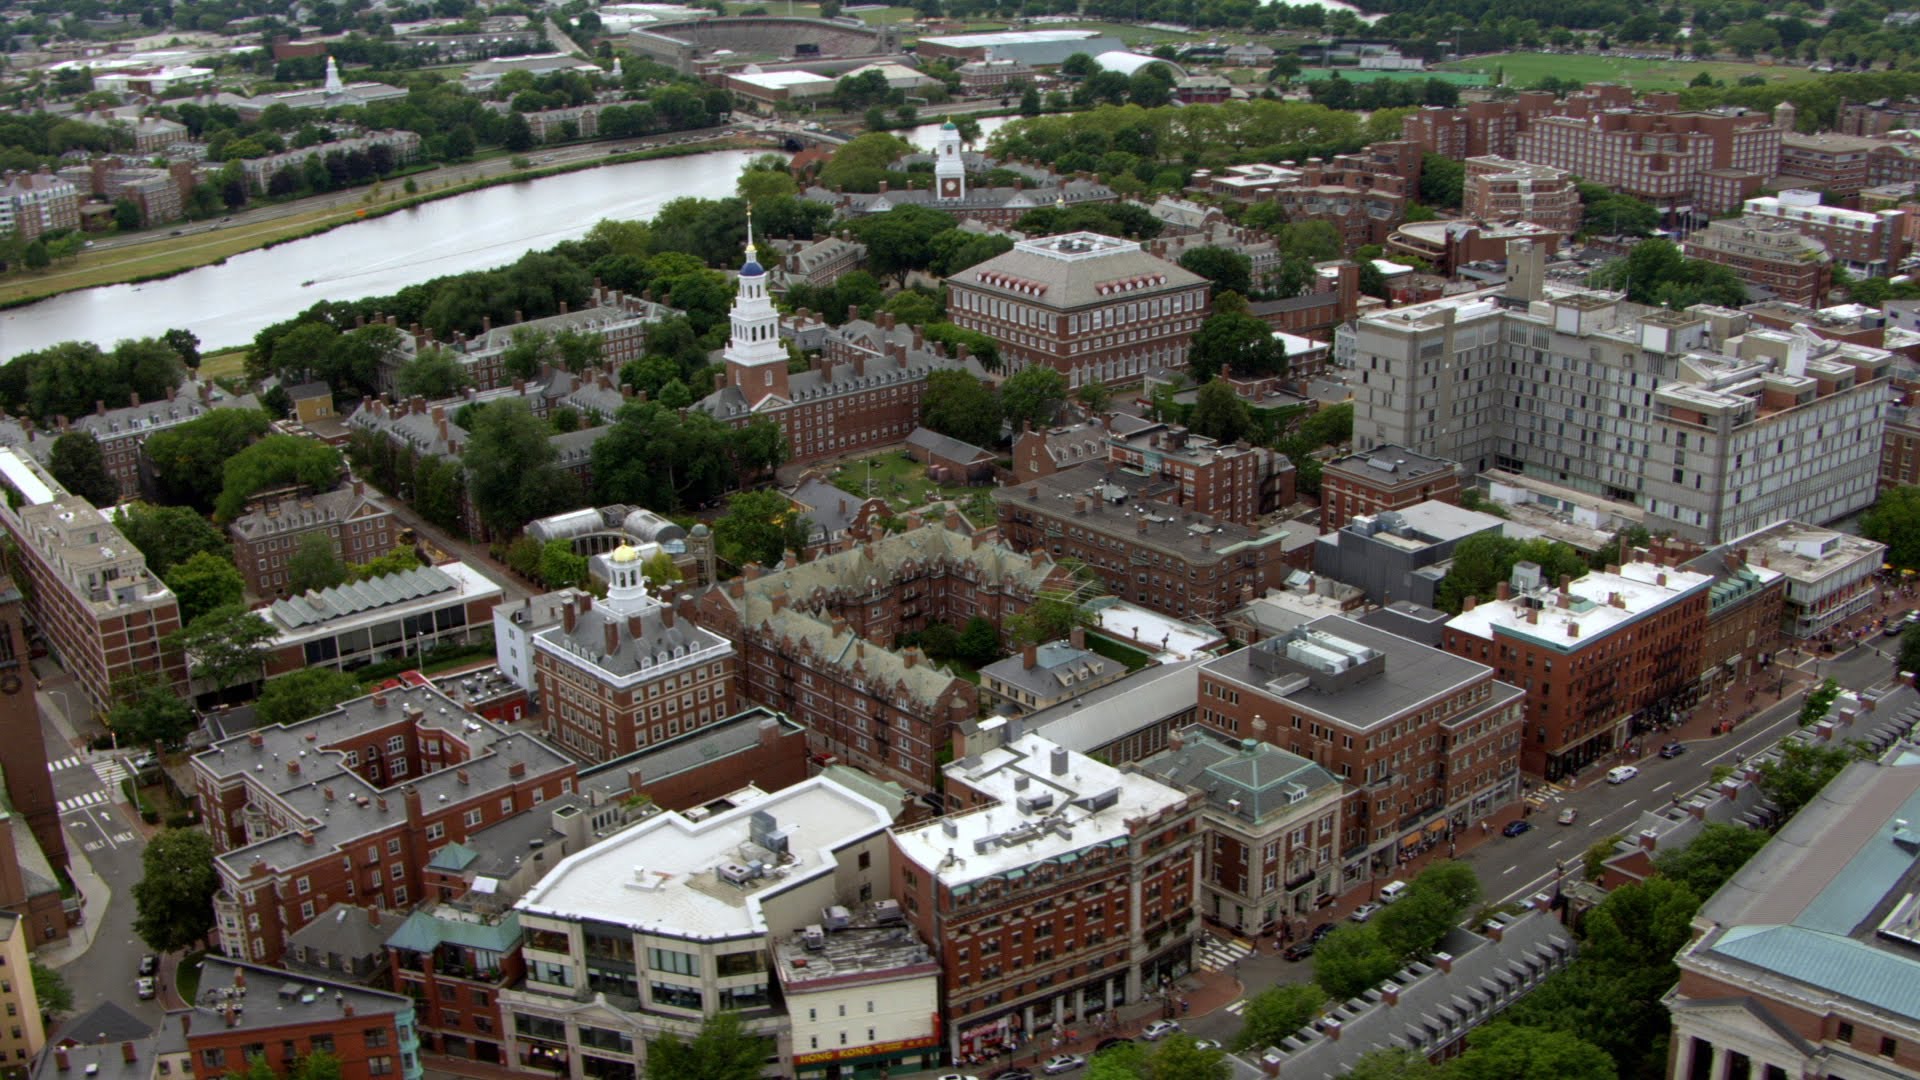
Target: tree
<point x="1352" y="959"/>
<point x="979" y="644"/>
<point x="1181" y="1058"/>
<point x="303" y="694"/>
<point x="1219" y="413"/>
<point x="722" y="1051"/>
<point x="1095" y="396"/>
<point x="901" y="239"/>
<point x="1710" y="858"/>
<point x="225" y="646"/>
<point x="186" y="345"/>
<point x="560" y="568"/>
<point x="433" y="374"/>
<point x="147" y="711"/>
<point x="314" y="565"/>
<point x="516" y="135"/>
<point x="960" y="405"/>
<point x="1393" y="1063"/>
<point x="660" y="570"/>
<point x="173" y="901"/>
<point x="168" y="535"/>
<point x="759" y="527"/>
<point x="397" y="561"/>
<point x="52" y="992"/>
<point x="1033" y="395"/>
<point x="1482" y="561"/>
<point x="203" y="582"/>
<point x="275" y="461"/>
<point x="1910" y="648"/>
<point x="1818" y="701"/>
<point x="189" y="459"/>
<point x="318" y="1065"/>
<point x="1238" y="341"/>
<point x="1894" y="520"/>
<point x="1276" y="1013"/>
<point x="76" y="461"/>
<point x="1505" y="1051"/>
<point x="1442" y="180"/>
<point x="126" y="215"/>
<point x="1229" y="270"/>
<point x="511" y="471"/>
<point x="1048" y="618"/>
<point x="1792" y="780"/>
<point x="1414" y="924"/>
<point x="1642" y="924"/>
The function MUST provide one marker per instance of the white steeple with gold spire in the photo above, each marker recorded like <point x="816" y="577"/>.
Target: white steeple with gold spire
<point x="754" y="348"/>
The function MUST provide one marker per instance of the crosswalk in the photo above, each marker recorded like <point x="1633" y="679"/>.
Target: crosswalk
<point x="110" y="772"/>
<point x="63" y="763"/>
<point x="1237" y="1006"/>
<point x="1218" y="955"/>
<point x="81" y="802"/>
<point x="1544" y="794"/>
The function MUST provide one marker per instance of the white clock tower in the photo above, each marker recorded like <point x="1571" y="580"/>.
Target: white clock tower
<point x="949" y="170"/>
<point x="755" y="356"/>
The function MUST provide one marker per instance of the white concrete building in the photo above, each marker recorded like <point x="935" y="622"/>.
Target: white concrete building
<point x="1829" y="573"/>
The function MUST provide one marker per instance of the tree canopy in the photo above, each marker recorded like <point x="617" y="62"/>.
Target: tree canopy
<point x="276" y="461"/>
<point x="722" y="1051"/>
<point x="511" y="469"/>
<point x="203" y="582"/>
<point x="1894" y="520"/>
<point x="225" y="646"/>
<point x="189" y="459"/>
<point x="168" y="535"/>
<point x="1481" y="562"/>
<point x="1033" y="395"/>
<point x="173" y="900"/>
<point x="759" y="527"/>
<point x="960" y="405"/>
<point x="655" y="457"/>
<point x="299" y="695"/>
<point x="76" y="461"/>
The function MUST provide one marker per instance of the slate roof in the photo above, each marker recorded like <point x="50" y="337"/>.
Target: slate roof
<point x="1057" y="665"/>
<point x="104" y="1023"/>
<point x="1261" y="778"/>
<point x="948" y="447"/>
<point x="1074" y="269"/>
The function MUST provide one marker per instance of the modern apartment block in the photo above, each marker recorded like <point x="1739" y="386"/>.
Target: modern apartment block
<point x="1836" y="164"/>
<point x="1771" y="254"/>
<point x="1094" y="308"/>
<point x="1501" y="189"/>
<point x="1658" y="157"/>
<point x="353" y="805"/>
<point x="1799" y="964"/>
<point x="1171" y="560"/>
<point x="1059" y="889"/>
<point x="1868" y="243"/>
<point x="622" y="673"/>
<point x="1829" y="573"/>
<point x="1402" y="555"/>
<point x="1627" y="642"/>
<point x="1387" y="477"/>
<point x="1270" y="828"/>
<point x="1713" y="427"/>
<point x="102" y="612"/>
<point x="33" y="203"/>
<point x="359" y="527"/>
<point x="817" y="639"/>
<point x="1425" y="742"/>
<point x="660" y="927"/>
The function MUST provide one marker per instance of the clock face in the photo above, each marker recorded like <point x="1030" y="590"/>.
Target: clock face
<point x="950" y="187"/>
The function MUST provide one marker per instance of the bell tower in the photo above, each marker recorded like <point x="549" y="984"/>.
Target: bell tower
<point x="949" y="170"/>
<point x="756" y="358"/>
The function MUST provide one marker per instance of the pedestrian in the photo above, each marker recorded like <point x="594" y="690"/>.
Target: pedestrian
<point x="1485" y="828"/>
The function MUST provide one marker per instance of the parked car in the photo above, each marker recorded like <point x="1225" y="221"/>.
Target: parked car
<point x="149" y="964"/>
<point x="1013" y="1074"/>
<point x="1110" y="1043"/>
<point x="145" y="988"/>
<point x="1515" y="828"/>
<point x="1569" y="816"/>
<point x="1208" y="1044"/>
<point x="1160" y="1029"/>
<point x="957" y="1076"/>
<point x="1299" y="950"/>
<point x="1673" y="750"/>
<point x="1364" y="912"/>
<point x="1062" y="1063"/>
<point x="1620" y="774"/>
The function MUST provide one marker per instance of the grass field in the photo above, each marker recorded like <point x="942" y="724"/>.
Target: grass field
<point x="1525" y="69"/>
<point x="1352" y="74"/>
<point x="897" y="478"/>
<point x="221" y="365"/>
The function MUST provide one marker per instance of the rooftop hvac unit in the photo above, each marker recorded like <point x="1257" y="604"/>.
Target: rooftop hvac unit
<point x="733" y="872"/>
<point x="814" y="938"/>
<point x="836" y="917"/>
<point x="1034" y="803"/>
<point x="887" y="911"/>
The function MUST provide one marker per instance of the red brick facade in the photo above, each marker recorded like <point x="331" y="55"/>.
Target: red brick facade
<point x="1351" y="487"/>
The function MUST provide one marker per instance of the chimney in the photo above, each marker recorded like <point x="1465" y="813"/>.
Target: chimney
<point x="569" y="617"/>
<point x="1661" y="578"/>
<point x="256" y="740"/>
<point x="517" y="769"/>
<point x="461" y="775"/>
<point x="60" y="1058"/>
<point x="1503" y="591"/>
<point x="1176" y="739"/>
<point x="1140" y="525"/>
<point x="293" y="767"/>
<point x="1573" y="629"/>
<point x="1649" y="839"/>
<point x="1472" y="602"/>
<point x="373" y="917"/>
<point x="1027" y="657"/>
<point x="1443" y="961"/>
<point x="1077" y="637"/>
<point x="126" y="1052"/>
<point x="1390" y="993"/>
<point x="1059" y="761"/>
<point x="1332" y="1028"/>
<point x="379" y="702"/>
<point x="612" y="636"/>
<point x="348" y="1008"/>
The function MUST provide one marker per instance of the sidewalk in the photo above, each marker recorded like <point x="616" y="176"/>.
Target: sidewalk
<point x="95" y="895"/>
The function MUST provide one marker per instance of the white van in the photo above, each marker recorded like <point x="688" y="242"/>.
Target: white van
<point x="1393" y="890"/>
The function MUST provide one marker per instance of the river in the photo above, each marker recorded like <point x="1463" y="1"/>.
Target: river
<point x="226" y="305"/>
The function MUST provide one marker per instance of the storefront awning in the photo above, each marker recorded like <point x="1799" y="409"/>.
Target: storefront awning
<point x="1412" y="840"/>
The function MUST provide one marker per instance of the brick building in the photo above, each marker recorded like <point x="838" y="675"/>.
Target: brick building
<point x="623" y="673"/>
<point x="23" y="754"/>
<point x="1333" y="300"/>
<point x="1628" y="642"/>
<point x="1450" y="245"/>
<point x="357" y="526"/>
<point x="757" y="747"/>
<point x="615" y="321"/>
<point x="102" y="612"/>
<point x="1657" y="157"/>
<point x="26" y="1030"/>
<point x="816" y="639"/>
<point x="1797" y="965"/>
<point x="993" y="76"/>
<point x="1774" y="255"/>
<point x="1836" y="164"/>
<point x="1092" y="307"/>
<point x="1362" y="195"/>
<point x="249" y="1011"/>
<point x="1877" y="118"/>
<point x="353" y="804"/>
<point x="1869" y="243"/>
<point x="1500" y="189"/>
<point x="1176" y="561"/>
<point x="161" y="194"/>
<point x="1745" y="607"/>
<point x="453" y="963"/>
<point x="32" y="203"/>
<point x="1426" y="743"/>
<point x="1387" y="477"/>
<point x="1238" y="483"/>
<point x="1270" y="828"/>
<point x="863" y="392"/>
<point x="123" y="430"/>
<point x="1074" y="894"/>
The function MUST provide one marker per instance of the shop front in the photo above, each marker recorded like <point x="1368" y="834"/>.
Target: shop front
<point x="870" y="1062"/>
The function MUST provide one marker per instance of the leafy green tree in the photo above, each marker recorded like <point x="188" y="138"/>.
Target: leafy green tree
<point x="1048" y="618"/>
<point x="1481" y="562"/>
<point x="1818" y="701"/>
<point x="204" y="582"/>
<point x="979" y="643"/>
<point x="861" y="164"/>
<point x="76" y="461"/>
<point x="303" y="694"/>
<point x="1033" y="395"/>
<point x="960" y="405"/>
<point x="1796" y="776"/>
<point x="1910" y="648"/>
<point x="189" y="459"/>
<point x="759" y="527"/>
<point x="318" y="1065"/>
<point x="722" y="1051"/>
<point x="1277" y="1012"/>
<point x="1505" y="1051"/>
<point x="226" y="646"/>
<point x="1710" y="858"/>
<point x="52" y="992"/>
<point x="660" y="570"/>
<point x="1352" y="959"/>
<point x="168" y="535"/>
<point x="957" y="249"/>
<point x="1415" y="924"/>
<point x="1127" y="1061"/>
<point x="1181" y="1057"/>
<point x="765" y="177"/>
<point x="913" y="308"/>
<point x="1641" y="924"/>
<point x="432" y="374"/>
<point x="1393" y="1063"/>
<point x="1442" y="180"/>
<point x="977" y="344"/>
<point x="1219" y="413"/>
<point x="1095" y="396"/>
<point x="126" y="215"/>
<point x="314" y="565"/>
<point x="173" y="901"/>
<point x="516" y="134"/>
<point x="275" y="461"/>
<point x="398" y="560"/>
<point x="1894" y="520"/>
<point x="901" y="240"/>
<point x="147" y="712"/>
<point x="1229" y="270"/>
<point x="1237" y="341"/>
<point x="511" y="471"/>
<point x="560" y="568"/>
<point x="186" y="345"/>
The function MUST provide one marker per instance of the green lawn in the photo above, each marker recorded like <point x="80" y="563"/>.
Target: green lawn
<point x="883" y="17"/>
<point x="1353" y="74"/>
<point x="186" y="978"/>
<point x="1525" y="69"/>
<point x="1113" y="650"/>
<point x="895" y="477"/>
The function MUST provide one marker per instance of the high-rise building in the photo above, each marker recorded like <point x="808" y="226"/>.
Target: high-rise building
<point x="1656" y="157"/>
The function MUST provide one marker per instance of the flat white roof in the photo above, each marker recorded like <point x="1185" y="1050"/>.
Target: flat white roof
<point x="1088" y="806"/>
<point x="1175" y="639"/>
<point x="661" y="876"/>
<point x="781" y="80"/>
<point x="1637" y="584"/>
<point x="24" y="478"/>
<point x="1011" y="37"/>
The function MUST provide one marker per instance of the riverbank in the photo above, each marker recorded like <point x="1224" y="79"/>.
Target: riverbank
<point x="168" y="256"/>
